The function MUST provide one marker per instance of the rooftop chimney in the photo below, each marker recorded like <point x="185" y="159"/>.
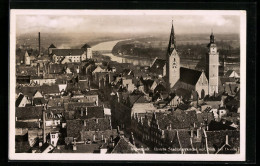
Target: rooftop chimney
<point x="226" y="139"/>
<point x="94" y="138"/>
<point x="118" y="130"/>
<point x="132" y="138"/>
<point x="74" y="145"/>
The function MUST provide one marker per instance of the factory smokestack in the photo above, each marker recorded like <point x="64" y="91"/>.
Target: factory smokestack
<point x="39" y="38"/>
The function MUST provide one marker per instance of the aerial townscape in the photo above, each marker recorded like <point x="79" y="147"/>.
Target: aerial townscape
<point x="78" y="100"/>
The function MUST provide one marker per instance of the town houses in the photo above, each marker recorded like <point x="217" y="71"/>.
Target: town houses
<point x="68" y="102"/>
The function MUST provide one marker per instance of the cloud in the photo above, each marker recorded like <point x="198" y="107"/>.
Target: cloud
<point x="127" y="24"/>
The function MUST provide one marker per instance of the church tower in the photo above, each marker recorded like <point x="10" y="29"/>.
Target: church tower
<point x="27" y="59"/>
<point x="212" y="66"/>
<point x="173" y="61"/>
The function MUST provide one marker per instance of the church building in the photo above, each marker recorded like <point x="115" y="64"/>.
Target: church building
<point x="27" y="59"/>
<point x="204" y="83"/>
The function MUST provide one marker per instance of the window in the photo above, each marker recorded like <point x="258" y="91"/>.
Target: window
<point x="53" y="136"/>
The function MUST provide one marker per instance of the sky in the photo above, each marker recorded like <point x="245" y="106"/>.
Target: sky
<point x="183" y="24"/>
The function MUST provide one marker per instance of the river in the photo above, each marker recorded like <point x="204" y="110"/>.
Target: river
<point x="106" y="48"/>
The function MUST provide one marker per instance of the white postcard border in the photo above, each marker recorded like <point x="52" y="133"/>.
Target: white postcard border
<point x="137" y="157"/>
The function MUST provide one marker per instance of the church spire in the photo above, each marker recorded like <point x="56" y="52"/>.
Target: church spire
<point x="172" y="43"/>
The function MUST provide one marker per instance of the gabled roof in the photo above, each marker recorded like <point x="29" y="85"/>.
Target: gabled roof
<point x="189" y="76"/>
<point x="157" y="66"/>
<point x="66" y="52"/>
<point x="124" y="146"/>
<point x="229" y="72"/>
<point x="18" y="100"/>
<point x="52" y="46"/>
<point x="29" y="90"/>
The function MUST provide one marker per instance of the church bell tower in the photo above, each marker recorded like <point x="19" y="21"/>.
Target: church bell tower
<point x="173" y="61"/>
<point x="212" y="66"/>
